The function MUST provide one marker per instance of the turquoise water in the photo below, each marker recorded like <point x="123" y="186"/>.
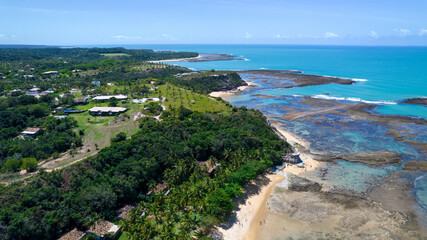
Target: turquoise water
<point x="385" y="76"/>
<point x="392" y="73"/>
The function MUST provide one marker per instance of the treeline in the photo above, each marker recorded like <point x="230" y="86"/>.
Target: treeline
<point x="174" y="152"/>
<point x="207" y="82"/>
<point x="79" y="55"/>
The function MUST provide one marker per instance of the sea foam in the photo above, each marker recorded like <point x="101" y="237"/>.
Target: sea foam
<point x="353" y="99"/>
<point x="359" y="79"/>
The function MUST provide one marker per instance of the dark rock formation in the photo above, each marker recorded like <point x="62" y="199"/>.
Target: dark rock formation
<point x="300" y="184"/>
<point x="417" y="101"/>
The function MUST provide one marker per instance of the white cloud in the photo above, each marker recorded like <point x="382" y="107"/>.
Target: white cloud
<point x="402" y="32"/>
<point x="167" y="36"/>
<point x="374" y="34"/>
<point x="282" y="36"/>
<point x="123" y="37"/>
<point x="423" y="32"/>
<point x="248" y="35"/>
<point x="331" y="35"/>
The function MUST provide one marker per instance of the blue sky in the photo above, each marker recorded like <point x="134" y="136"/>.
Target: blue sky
<point x="342" y="22"/>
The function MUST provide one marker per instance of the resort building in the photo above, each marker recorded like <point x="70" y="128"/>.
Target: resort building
<point x="50" y="73"/>
<point x="106" y="98"/>
<point x="103" y="228"/>
<point x="106" y="111"/>
<point x="31" y="132"/>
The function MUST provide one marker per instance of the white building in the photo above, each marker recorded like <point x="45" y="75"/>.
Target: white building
<point x="106" y="98"/>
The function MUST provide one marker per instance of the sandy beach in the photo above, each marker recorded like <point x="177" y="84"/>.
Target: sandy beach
<point x="176" y="59"/>
<point x="227" y="94"/>
<point x="252" y="212"/>
<point x="251" y="215"/>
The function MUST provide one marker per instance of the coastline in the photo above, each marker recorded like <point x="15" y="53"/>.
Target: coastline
<point x="251" y="214"/>
<point x="227" y="94"/>
<point x="176" y="59"/>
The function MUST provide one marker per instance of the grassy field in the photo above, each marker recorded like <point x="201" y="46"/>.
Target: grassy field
<point x="98" y="130"/>
<point x="115" y="55"/>
<point x="175" y="97"/>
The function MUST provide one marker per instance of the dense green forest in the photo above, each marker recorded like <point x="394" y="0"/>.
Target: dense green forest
<point x="242" y="145"/>
<point x="206" y="82"/>
<point x="87" y="54"/>
<point x="18" y="113"/>
<point x="182" y="170"/>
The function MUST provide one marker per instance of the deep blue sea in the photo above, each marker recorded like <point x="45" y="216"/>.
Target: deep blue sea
<point x="385" y="76"/>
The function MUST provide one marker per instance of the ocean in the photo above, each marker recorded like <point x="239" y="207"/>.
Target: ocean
<point x="384" y="76"/>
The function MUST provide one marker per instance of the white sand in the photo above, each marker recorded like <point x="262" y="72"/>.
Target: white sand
<point x="252" y="213"/>
<point x="227" y="94"/>
<point x="175" y="60"/>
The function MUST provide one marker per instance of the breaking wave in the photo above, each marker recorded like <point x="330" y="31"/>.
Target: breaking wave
<point x="353" y="99"/>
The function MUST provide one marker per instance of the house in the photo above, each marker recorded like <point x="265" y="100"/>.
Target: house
<point x="60" y="116"/>
<point x="67" y="111"/>
<point x="81" y="101"/>
<point x="31" y="132"/>
<point x="293" y="158"/>
<point x="74" y="234"/>
<point x="47" y="92"/>
<point x="34" y="89"/>
<point x="123" y="213"/>
<point x="34" y="94"/>
<point x="74" y="90"/>
<point x="119" y="97"/>
<point x="50" y="73"/>
<point x="103" y="228"/>
<point x="96" y="83"/>
<point x="106" y="111"/>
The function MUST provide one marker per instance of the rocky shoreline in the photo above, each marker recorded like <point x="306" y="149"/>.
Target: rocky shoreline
<point x="294" y="78"/>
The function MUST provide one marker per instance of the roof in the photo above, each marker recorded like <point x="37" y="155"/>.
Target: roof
<point x="101" y="228"/>
<point x="50" y="72"/>
<point x="207" y="166"/>
<point x="124" y="211"/>
<point x="80" y="100"/>
<point x="107" y="109"/>
<point x="31" y="130"/>
<point x="74" y="234"/>
<point x="119" y="97"/>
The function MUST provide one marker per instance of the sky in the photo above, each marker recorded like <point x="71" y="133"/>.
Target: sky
<point x="322" y="22"/>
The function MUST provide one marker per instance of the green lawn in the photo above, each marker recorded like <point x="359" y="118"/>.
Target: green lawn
<point x="115" y="55"/>
<point x="98" y="130"/>
<point x="175" y="97"/>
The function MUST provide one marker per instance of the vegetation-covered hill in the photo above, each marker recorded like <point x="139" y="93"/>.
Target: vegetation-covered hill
<point x="182" y="167"/>
<point x="241" y="145"/>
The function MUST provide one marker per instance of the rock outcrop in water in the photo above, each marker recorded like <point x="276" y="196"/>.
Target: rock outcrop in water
<point x="416" y="101"/>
